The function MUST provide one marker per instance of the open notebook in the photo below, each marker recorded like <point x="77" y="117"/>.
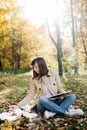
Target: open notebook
<point x="60" y="94"/>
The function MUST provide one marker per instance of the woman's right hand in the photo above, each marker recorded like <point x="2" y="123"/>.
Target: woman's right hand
<point x="13" y="107"/>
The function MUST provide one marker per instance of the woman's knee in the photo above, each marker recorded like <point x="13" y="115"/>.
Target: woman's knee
<point x="72" y="96"/>
<point x="42" y="99"/>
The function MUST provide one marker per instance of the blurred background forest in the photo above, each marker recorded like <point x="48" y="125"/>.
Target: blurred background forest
<point x="53" y="29"/>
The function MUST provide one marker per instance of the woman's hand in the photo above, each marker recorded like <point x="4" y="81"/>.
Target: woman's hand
<point x="65" y="95"/>
<point x="13" y="107"/>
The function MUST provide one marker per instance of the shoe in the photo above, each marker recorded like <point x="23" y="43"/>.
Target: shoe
<point x="75" y="112"/>
<point x="48" y="114"/>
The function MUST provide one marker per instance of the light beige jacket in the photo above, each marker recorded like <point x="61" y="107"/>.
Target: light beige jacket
<point x="52" y="81"/>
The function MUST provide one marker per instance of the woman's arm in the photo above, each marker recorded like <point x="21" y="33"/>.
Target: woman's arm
<point x="29" y="96"/>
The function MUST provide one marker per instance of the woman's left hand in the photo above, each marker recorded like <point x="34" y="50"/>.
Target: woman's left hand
<point x="65" y="95"/>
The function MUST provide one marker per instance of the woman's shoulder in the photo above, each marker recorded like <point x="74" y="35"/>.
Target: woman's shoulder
<point x="35" y="79"/>
<point x="51" y="71"/>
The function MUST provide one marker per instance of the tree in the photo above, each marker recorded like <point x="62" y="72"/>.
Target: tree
<point x="73" y="27"/>
<point x="57" y="43"/>
<point x="73" y="38"/>
<point x="82" y="28"/>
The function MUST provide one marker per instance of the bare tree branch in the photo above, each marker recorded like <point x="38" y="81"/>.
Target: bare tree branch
<point x="54" y="42"/>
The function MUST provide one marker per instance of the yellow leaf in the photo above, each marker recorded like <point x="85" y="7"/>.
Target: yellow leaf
<point x="9" y="128"/>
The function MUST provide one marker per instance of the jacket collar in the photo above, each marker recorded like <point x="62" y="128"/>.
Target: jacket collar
<point x="49" y="73"/>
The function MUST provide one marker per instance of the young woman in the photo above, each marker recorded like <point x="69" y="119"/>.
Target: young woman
<point x="45" y="83"/>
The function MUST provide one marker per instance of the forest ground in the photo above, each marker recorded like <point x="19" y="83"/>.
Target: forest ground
<point x="13" y="88"/>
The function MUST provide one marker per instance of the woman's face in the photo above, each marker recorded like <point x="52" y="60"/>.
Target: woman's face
<point x="36" y="68"/>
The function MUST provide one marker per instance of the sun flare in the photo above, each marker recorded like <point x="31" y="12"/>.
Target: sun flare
<point x="40" y="10"/>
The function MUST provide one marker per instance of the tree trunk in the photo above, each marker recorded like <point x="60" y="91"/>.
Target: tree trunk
<point x="59" y="57"/>
<point x="57" y="44"/>
<point x="19" y="55"/>
<point x="82" y="35"/>
<point x="73" y="39"/>
<point x="1" y="67"/>
<point x="72" y="17"/>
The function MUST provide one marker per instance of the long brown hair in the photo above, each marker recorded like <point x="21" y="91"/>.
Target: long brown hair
<point x="43" y="70"/>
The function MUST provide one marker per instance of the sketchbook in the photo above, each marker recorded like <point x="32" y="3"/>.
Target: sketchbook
<point x="60" y="94"/>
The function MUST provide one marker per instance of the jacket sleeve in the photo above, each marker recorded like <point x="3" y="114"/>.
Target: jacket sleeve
<point x="59" y="84"/>
<point x="29" y="96"/>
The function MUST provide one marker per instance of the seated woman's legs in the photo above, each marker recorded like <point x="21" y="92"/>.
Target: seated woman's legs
<point x="45" y="103"/>
<point x="66" y="102"/>
<point x="40" y="107"/>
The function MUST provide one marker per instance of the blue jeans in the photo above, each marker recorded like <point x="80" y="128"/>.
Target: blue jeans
<point x="58" y="106"/>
